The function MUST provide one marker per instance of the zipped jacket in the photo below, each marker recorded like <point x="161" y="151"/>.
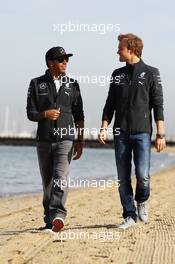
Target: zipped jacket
<point x="135" y="90"/>
<point x="42" y="95"/>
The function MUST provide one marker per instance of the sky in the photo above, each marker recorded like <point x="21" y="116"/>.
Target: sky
<point x="29" y="28"/>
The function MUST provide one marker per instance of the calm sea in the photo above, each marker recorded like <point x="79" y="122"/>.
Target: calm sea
<point x="19" y="172"/>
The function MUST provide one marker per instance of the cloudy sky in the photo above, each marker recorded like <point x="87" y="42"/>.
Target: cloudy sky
<point x="30" y="28"/>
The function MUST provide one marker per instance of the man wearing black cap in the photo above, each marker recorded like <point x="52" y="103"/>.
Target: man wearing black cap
<point x="54" y="101"/>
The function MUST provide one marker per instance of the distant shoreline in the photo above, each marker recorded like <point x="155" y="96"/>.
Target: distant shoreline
<point x="89" y="143"/>
<point x="11" y="141"/>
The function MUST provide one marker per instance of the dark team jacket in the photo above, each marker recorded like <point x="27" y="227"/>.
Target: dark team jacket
<point x="134" y="91"/>
<point x="42" y="95"/>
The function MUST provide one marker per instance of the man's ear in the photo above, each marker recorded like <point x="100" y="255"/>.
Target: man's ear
<point x="48" y="63"/>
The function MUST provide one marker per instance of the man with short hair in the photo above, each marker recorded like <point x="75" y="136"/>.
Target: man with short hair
<point x="54" y="101"/>
<point x="134" y="91"/>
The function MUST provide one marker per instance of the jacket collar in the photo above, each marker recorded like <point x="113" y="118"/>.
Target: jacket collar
<point x="132" y="69"/>
<point x="49" y="76"/>
<point x="135" y="65"/>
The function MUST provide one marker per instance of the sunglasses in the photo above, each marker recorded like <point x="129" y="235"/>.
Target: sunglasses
<point x="60" y="60"/>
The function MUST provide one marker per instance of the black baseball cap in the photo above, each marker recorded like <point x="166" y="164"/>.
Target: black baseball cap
<point x="55" y="53"/>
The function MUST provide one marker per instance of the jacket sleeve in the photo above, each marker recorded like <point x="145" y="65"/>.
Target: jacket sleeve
<point x="77" y="105"/>
<point x="32" y="109"/>
<point x="156" y="96"/>
<point x="109" y="108"/>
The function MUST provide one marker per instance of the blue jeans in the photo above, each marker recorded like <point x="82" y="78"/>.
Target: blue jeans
<point x="140" y="146"/>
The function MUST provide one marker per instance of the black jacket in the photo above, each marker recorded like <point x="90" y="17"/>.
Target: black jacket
<point x="42" y="95"/>
<point x="134" y="91"/>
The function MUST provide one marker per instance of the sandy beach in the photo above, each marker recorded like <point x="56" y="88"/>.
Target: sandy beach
<point x="90" y="234"/>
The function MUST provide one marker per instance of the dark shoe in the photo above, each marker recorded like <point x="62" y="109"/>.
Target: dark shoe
<point x="47" y="227"/>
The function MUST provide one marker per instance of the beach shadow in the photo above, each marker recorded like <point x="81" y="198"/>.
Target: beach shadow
<point x="91" y="227"/>
<point x="41" y="229"/>
<point x="16" y="232"/>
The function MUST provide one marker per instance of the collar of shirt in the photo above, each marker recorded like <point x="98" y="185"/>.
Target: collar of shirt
<point x="57" y="84"/>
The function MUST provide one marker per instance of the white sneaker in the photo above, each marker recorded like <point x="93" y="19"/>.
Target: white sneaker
<point x="142" y="211"/>
<point x="128" y="222"/>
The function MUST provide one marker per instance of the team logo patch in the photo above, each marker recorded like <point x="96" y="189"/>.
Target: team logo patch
<point x="66" y="93"/>
<point x="42" y="86"/>
<point x="121" y="76"/>
<point x="158" y="79"/>
<point x="29" y="91"/>
<point x="142" y="83"/>
<point x="67" y="86"/>
<point x="142" y="75"/>
<point x="62" y="51"/>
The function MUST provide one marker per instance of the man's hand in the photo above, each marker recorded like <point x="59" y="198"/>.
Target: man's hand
<point x="102" y="136"/>
<point x="52" y="114"/>
<point x="160" y="144"/>
<point x="78" y="150"/>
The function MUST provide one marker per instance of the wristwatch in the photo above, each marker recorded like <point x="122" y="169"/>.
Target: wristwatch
<point x="161" y="136"/>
